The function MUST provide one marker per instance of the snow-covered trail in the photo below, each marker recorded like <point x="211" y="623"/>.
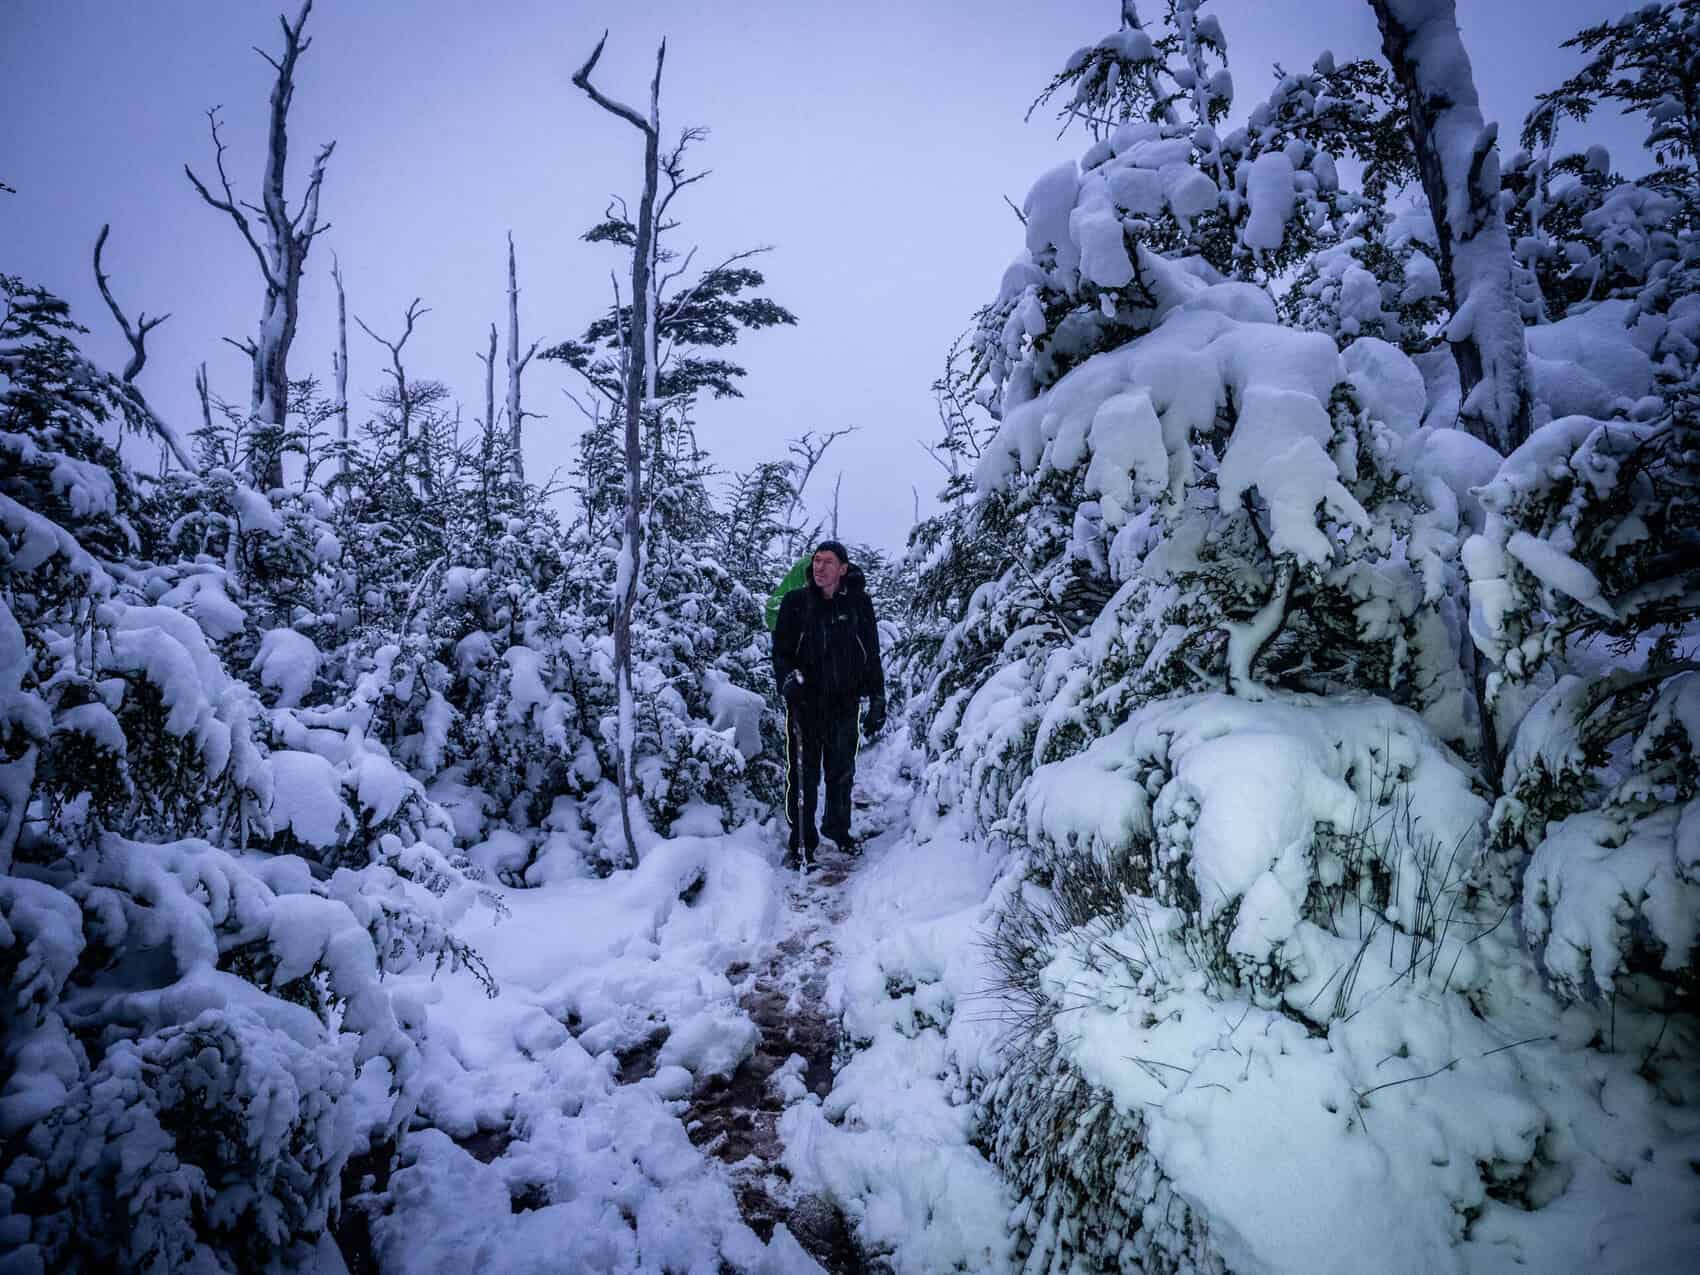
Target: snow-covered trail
<point x="710" y="1063"/>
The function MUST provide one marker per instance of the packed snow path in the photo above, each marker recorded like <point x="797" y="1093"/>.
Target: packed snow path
<point x="708" y="1063"/>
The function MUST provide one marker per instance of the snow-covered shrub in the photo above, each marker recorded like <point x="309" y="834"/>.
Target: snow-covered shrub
<point x="1215" y="675"/>
<point x="1220" y="502"/>
<point x="214" y="1144"/>
<point x="1582" y="590"/>
<point x="1076" y="1159"/>
<point x="1238" y="907"/>
<point x="1379" y="280"/>
<point x="197" y="1038"/>
<point x="201" y="1094"/>
<point x="1585" y="549"/>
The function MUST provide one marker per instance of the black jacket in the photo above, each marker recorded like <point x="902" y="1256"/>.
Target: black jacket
<point x="833" y="641"/>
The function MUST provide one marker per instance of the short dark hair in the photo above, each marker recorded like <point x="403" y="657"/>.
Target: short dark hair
<point x="833" y="546"/>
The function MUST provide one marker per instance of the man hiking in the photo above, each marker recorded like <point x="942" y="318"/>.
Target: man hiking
<point x="826" y="657"/>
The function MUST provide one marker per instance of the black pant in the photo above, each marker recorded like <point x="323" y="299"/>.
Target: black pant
<point x="820" y="734"/>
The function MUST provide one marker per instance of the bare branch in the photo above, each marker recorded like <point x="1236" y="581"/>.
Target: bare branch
<point x="415" y="311"/>
<point x="229" y="204"/>
<point x="137" y="336"/>
<point x="582" y="78"/>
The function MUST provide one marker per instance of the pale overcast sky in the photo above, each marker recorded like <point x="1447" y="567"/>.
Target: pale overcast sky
<point x="869" y="144"/>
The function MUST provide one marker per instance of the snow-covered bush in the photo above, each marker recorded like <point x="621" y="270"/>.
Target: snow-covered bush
<point x="197" y="1037"/>
<point x="1585" y="550"/>
<point x="1221" y="502"/>
<point x="1298" y="708"/>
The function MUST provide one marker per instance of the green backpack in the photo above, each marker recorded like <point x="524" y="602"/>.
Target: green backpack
<point x="795" y="578"/>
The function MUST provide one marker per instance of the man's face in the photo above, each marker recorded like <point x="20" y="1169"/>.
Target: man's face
<point x="828" y="570"/>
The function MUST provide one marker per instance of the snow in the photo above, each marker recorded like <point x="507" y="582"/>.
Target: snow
<point x="1097" y="228"/>
<point x="254" y="511"/>
<point x="1591" y="364"/>
<point x="892" y="1145"/>
<point x="1188" y="191"/>
<point x="1047" y="208"/>
<point x="587" y="967"/>
<point x="1269" y="191"/>
<point x="1557" y="570"/>
<point x="204" y="596"/>
<point x="307" y="798"/>
<point x="1213" y="341"/>
<point x="1127" y="454"/>
<point x="736" y="711"/>
<point x="288" y="663"/>
<point x="1279" y="449"/>
<point x="1386" y="382"/>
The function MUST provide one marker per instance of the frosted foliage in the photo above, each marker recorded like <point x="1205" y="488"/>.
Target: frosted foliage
<point x="1282" y="922"/>
<point x="1243" y="801"/>
<point x="1339" y="743"/>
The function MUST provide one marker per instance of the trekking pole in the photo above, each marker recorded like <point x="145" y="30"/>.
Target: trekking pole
<point x="794" y="766"/>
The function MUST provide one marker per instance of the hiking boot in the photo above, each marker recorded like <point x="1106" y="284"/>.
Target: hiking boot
<point x="842" y="838"/>
<point x="795" y="853"/>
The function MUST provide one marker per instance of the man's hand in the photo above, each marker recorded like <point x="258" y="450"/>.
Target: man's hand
<point x="793" y="688"/>
<point x="873" y="721"/>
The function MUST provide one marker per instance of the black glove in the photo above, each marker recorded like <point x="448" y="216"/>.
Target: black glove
<point x="873" y="721"/>
<point x="793" y="688"/>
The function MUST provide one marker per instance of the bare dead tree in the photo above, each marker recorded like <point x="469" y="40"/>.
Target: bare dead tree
<point x="808" y="451"/>
<point x="339" y="363"/>
<point x="1422" y="44"/>
<point x="288" y="236"/>
<point x="397" y="370"/>
<point x="137" y="336"/>
<point x="489" y="362"/>
<point x="516" y="367"/>
<point x="638" y="377"/>
<point x="404" y="397"/>
<point x="204" y="393"/>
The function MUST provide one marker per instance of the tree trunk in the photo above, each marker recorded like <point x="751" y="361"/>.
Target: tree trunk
<point x="341" y="362"/>
<point x="516" y="366"/>
<point x="637" y="378"/>
<point x="1458" y="162"/>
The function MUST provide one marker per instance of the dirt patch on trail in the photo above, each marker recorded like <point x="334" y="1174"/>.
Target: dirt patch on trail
<point x="737" y="1121"/>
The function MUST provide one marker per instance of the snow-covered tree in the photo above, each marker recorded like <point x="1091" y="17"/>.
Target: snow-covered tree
<point x="1458" y="161"/>
<point x="697" y="712"/>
